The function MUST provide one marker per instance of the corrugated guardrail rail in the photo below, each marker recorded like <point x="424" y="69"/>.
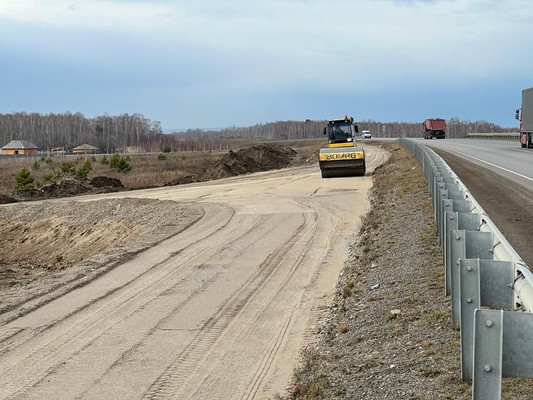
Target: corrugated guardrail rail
<point x="503" y="135"/>
<point x="491" y="287"/>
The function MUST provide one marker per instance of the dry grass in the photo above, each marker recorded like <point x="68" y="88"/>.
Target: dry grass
<point x="148" y="170"/>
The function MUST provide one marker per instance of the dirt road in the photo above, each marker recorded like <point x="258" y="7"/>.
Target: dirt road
<point x="219" y="311"/>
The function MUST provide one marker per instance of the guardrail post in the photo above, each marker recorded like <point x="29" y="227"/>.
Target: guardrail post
<point x="450" y="224"/>
<point x="483" y="283"/>
<point x="446" y="205"/>
<point x="470" y="301"/>
<point x="454" y="220"/>
<point x="459" y="221"/>
<point x="502" y="348"/>
<point x="464" y="245"/>
<point x="437" y="186"/>
<point x="442" y="195"/>
<point x="488" y="349"/>
<point x="457" y="253"/>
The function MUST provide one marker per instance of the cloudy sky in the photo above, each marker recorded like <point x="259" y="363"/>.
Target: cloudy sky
<point x="207" y="63"/>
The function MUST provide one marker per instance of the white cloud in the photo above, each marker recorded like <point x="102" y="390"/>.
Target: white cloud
<point x="87" y="14"/>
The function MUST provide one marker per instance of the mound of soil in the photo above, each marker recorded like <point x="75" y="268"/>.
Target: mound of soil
<point x="106" y="182"/>
<point x="67" y="186"/>
<point x="258" y="158"/>
<point x="6" y="199"/>
<point x="182" y="180"/>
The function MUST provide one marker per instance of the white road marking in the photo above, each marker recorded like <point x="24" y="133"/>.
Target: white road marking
<point x="496" y="166"/>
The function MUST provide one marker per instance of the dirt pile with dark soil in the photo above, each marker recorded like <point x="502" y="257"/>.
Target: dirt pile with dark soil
<point x="258" y="158"/>
<point x="263" y="157"/>
<point x="67" y="186"/>
<point x="7" y="199"/>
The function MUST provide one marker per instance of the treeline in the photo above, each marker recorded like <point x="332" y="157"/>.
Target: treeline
<point x="455" y="128"/>
<point x="312" y="129"/>
<point x="135" y="133"/>
<point x="69" y="130"/>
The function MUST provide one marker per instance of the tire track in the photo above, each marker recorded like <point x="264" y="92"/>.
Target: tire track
<point x="11" y="335"/>
<point x="201" y="385"/>
<point x="179" y="373"/>
<point x="51" y="349"/>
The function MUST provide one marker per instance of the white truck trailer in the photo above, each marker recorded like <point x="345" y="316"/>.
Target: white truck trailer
<point x="525" y="115"/>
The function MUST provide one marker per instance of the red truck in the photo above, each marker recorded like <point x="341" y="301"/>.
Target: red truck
<point x="526" y="118"/>
<point x="434" y="128"/>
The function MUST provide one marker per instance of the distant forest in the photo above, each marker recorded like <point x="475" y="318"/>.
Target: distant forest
<point x="135" y="133"/>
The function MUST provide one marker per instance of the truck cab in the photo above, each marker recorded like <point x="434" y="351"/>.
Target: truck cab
<point x="341" y="132"/>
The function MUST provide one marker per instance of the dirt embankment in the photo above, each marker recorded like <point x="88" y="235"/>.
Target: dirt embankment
<point x="46" y="249"/>
<point x="259" y="158"/>
<point x="263" y="157"/>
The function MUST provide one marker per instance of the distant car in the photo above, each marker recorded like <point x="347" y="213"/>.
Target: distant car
<point x="366" y="135"/>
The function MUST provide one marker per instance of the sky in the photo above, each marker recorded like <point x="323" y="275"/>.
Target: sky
<point x="214" y="64"/>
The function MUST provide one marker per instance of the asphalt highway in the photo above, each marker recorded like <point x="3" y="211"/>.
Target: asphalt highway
<point x="499" y="174"/>
<point x="503" y="157"/>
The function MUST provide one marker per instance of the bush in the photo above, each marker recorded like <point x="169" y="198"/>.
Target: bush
<point x="104" y="160"/>
<point x="114" y="161"/>
<point x="120" y="163"/>
<point x="36" y="165"/>
<point x="68" y="168"/>
<point x="161" y="157"/>
<point x="123" y="165"/>
<point x="166" y="149"/>
<point x="24" y="180"/>
<point x="48" y="177"/>
<point x="84" y="170"/>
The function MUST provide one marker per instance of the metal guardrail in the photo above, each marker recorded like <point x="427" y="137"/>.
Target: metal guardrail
<point x="491" y="287"/>
<point x="503" y="135"/>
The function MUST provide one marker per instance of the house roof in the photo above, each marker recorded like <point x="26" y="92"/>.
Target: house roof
<point x="85" y="147"/>
<point x="19" y="144"/>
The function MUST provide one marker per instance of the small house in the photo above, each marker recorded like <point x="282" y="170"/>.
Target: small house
<point x="19" y="147"/>
<point x="85" y="149"/>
